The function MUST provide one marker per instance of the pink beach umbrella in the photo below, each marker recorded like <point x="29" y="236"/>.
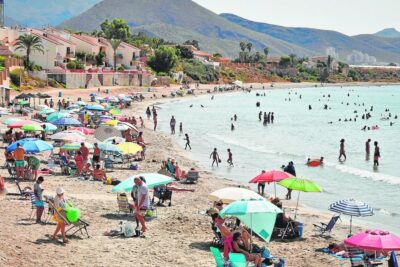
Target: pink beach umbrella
<point x="376" y="240"/>
<point x="270" y="177"/>
<point x="83" y="130"/>
<point x="19" y="124"/>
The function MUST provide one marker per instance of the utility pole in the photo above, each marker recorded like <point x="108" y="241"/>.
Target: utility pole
<point x="2" y="13"/>
<point x="47" y="71"/>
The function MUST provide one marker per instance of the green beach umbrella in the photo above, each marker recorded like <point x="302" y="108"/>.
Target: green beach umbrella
<point x="22" y="102"/>
<point x="76" y="146"/>
<point x="258" y="214"/>
<point x="301" y="185"/>
<point x="32" y="128"/>
<point x="152" y="180"/>
<point x="57" y="115"/>
<point x="115" y="111"/>
<point x="48" y="127"/>
<point x="46" y="111"/>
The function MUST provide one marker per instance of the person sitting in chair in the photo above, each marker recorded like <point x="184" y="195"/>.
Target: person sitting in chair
<point x="238" y="247"/>
<point x="87" y="171"/>
<point x="99" y="174"/>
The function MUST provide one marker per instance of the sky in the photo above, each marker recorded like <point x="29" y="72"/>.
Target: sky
<point x="351" y="17"/>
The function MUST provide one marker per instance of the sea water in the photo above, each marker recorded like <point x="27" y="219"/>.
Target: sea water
<point x="299" y="133"/>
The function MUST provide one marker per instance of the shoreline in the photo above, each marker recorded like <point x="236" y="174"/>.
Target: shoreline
<point x="177" y="236"/>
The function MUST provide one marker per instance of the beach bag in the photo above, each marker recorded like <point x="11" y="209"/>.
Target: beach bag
<point x="128" y="230"/>
<point x="108" y="181"/>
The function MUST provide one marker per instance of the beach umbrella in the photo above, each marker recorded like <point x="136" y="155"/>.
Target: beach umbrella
<point x="95" y="108"/>
<point x="258" y="214"/>
<point x="93" y="94"/>
<point x="129" y="125"/>
<point x="4" y="112"/>
<point x="111" y="123"/>
<point x="270" y="177"/>
<point x="31" y="128"/>
<point x="117" y="139"/>
<point x="68" y="137"/>
<point x="301" y="185"/>
<point x="22" y="96"/>
<point x="20" y="123"/>
<point x="376" y="240"/>
<point x="104" y="132"/>
<point x="31" y="145"/>
<point x="76" y="146"/>
<point x="22" y="102"/>
<point x="115" y="111"/>
<point x="80" y="103"/>
<point x="46" y="111"/>
<point x="10" y="121"/>
<point x="230" y="194"/>
<point x="152" y="180"/>
<point x="352" y="208"/>
<point x="83" y="130"/>
<point x="57" y="115"/>
<point x="110" y="148"/>
<point x="49" y="127"/>
<point x="130" y="148"/>
<point x="66" y="121"/>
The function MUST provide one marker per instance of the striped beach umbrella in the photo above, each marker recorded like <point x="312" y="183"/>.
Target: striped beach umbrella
<point x="352" y="208"/>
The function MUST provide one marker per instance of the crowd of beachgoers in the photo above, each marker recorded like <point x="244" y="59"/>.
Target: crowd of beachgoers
<point x="89" y="180"/>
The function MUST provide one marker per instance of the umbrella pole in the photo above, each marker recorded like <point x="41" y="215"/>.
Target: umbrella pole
<point x="275" y="188"/>
<point x="251" y="231"/>
<point x="351" y="221"/>
<point x="297" y="205"/>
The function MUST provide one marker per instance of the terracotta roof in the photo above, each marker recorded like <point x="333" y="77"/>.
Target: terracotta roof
<point x="202" y="54"/>
<point x="129" y="45"/>
<point x="46" y="38"/>
<point x="86" y="39"/>
<point x="56" y="37"/>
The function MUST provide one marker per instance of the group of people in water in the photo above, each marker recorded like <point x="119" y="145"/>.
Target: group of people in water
<point x="377" y="153"/>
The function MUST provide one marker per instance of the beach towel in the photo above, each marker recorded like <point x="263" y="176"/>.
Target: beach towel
<point x="340" y="257"/>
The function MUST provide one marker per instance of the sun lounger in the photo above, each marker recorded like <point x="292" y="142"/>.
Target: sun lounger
<point x="217" y="256"/>
<point x="162" y="194"/>
<point x="123" y="204"/>
<point x="26" y="192"/>
<point x="323" y="228"/>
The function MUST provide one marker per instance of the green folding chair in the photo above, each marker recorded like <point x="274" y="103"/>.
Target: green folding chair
<point x="217" y="256"/>
<point x="237" y="260"/>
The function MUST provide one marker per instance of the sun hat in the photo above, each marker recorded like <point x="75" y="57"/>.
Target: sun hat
<point x="60" y="191"/>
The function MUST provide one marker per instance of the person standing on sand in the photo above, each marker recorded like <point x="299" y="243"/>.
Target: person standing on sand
<point x="215" y="157"/>
<point x="230" y="158"/>
<point x="187" y="142"/>
<point x="155" y="121"/>
<point x="342" y="152"/>
<point x="142" y="201"/>
<point x="172" y="124"/>
<point x="377" y="154"/>
<point x="291" y="170"/>
<point x="367" y="149"/>
<point x="141" y="122"/>
<point x="38" y="191"/>
<point x="180" y="128"/>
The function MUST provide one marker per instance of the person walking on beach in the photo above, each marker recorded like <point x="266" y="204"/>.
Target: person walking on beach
<point x="272" y="118"/>
<point x="187" y="142"/>
<point x="291" y="170"/>
<point x="60" y="204"/>
<point x="230" y="158"/>
<point x="172" y="124"/>
<point x="215" y="157"/>
<point x="155" y="121"/>
<point x="261" y="186"/>
<point x="141" y="122"/>
<point x="19" y="155"/>
<point x="367" y="149"/>
<point x="377" y="154"/>
<point x="142" y="201"/>
<point x="38" y="191"/>
<point x="180" y="128"/>
<point x="342" y="152"/>
<point x="148" y="113"/>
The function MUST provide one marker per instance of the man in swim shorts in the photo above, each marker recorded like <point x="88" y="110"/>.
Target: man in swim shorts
<point x="19" y="155"/>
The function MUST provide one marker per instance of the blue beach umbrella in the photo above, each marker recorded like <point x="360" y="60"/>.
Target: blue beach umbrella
<point x="95" y="108"/>
<point x="258" y="214"/>
<point x="152" y="180"/>
<point x="352" y="208"/>
<point x="93" y="94"/>
<point x="66" y="121"/>
<point x="108" y="147"/>
<point x="31" y="145"/>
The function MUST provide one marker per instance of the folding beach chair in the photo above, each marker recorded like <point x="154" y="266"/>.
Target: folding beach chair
<point x="356" y="257"/>
<point x="218" y="240"/>
<point x="74" y="227"/>
<point x="217" y="256"/>
<point x="33" y="206"/>
<point x="323" y="228"/>
<point x="123" y="204"/>
<point x="26" y="192"/>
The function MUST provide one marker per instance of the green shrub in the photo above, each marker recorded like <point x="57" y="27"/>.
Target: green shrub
<point x="2" y="61"/>
<point x="15" y="77"/>
<point x="200" y="72"/>
<point x="71" y="65"/>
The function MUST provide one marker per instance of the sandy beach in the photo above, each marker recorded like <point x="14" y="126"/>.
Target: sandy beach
<point x="179" y="236"/>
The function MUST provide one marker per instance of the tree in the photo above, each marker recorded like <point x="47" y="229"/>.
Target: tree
<point x="184" y="52"/>
<point x="164" y="59"/>
<point x="195" y="43"/>
<point x="285" y="62"/>
<point x="329" y="62"/>
<point x="99" y="58"/>
<point x="249" y="46"/>
<point x="266" y="52"/>
<point x="242" y="46"/>
<point x="29" y="43"/>
<point x="392" y="64"/>
<point x="115" y="29"/>
<point x="217" y="55"/>
<point x="115" y="44"/>
<point x="292" y="59"/>
<point x="324" y="75"/>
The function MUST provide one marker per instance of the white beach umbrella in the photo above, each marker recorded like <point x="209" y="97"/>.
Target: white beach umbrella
<point x="230" y="194"/>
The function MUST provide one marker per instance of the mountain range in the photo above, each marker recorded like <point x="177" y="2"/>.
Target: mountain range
<point x="181" y="20"/>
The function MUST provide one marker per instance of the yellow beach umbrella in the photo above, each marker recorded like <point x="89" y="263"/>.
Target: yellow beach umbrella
<point x="111" y="122"/>
<point x="130" y="148"/>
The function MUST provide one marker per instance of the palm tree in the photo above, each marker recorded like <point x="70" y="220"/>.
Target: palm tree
<point x="115" y="44"/>
<point x="242" y="46"/>
<point x="29" y="43"/>
<point x="249" y="46"/>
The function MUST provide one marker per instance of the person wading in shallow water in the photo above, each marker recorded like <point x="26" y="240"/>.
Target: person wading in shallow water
<point x="187" y="142"/>
<point x="215" y="157"/>
<point x="230" y="158"/>
<point x="290" y="169"/>
<point x="377" y="154"/>
<point x="342" y="152"/>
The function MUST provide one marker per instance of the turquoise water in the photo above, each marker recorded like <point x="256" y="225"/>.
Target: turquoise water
<point x="299" y="133"/>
